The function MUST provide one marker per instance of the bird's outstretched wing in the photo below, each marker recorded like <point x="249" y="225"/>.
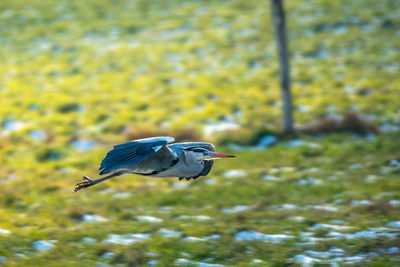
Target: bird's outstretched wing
<point x="127" y="154"/>
<point x="189" y="145"/>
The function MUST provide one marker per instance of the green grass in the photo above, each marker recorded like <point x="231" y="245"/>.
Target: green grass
<point x="111" y="70"/>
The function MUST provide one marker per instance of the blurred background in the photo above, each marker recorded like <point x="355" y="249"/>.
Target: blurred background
<point x="77" y="77"/>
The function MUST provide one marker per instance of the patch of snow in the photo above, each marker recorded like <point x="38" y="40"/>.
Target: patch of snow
<point x="43" y="245"/>
<point x="89" y="240"/>
<point x="107" y="191"/>
<point x="347" y="260"/>
<point x="263" y="143"/>
<point x="238" y="113"/>
<point x="310" y="181"/>
<point x="209" y="181"/>
<point x="303" y="108"/>
<point x="313" y="240"/>
<point x="394" y="203"/>
<point x="208" y="260"/>
<point x="220" y="127"/>
<point x="350" y="89"/>
<point x="93" y="218"/>
<point x="361" y="203"/>
<point x="282" y="169"/>
<point x="107" y="255"/>
<point x="236" y="209"/>
<point x="13" y="125"/>
<point x="313" y="169"/>
<point x="305" y="260"/>
<point x="333" y="116"/>
<point x="297" y="218"/>
<point x="324" y="208"/>
<point x="213" y="237"/>
<point x="194" y="239"/>
<point x="125" y="239"/>
<point x="298" y="143"/>
<point x="380" y="229"/>
<point x="395" y="224"/>
<point x="336" y="235"/>
<point x="197" y="217"/>
<point x="333" y="256"/>
<point x="83" y="145"/>
<point x="235" y="173"/>
<point x="253" y="235"/>
<point x="149" y="219"/>
<point x="179" y="185"/>
<point x="169" y="233"/>
<point x="4" y="231"/>
<point x="184" y="254"/>
<point x="266" y="141"/>
<point x="12" y="176"/>
<point x="338" y="221"/>
<point x="355" y="166"/>
<point x="152" y="254"/>
<point x="122" y="195"/>
<point x="391" y="250"/>
<point x="288" y="207"/>
<point x="330" y="227"/>
<point x="394" y="162"/>
<point x="389" y="235"/>
<point x="389" y="128"/>
<point x="256" y="261"/>
<point x="198" y="264"/>
<point x="333" y="178"/>
<point x="333" y="252"/>
<point x="371" y="178"/>
<point x="305" y="234"/>
<point x="336" y="251"/>
<point x="102" y="264"/>
<point x="356" y="235"/>
<point x="37" y="135"/>
<point x="320" y="254"/>
<point x="270" y="178"/>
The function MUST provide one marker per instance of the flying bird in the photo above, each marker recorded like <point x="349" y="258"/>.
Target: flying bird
<point x="157" y="157"/>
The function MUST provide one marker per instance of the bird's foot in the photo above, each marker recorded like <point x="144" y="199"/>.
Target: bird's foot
<point x="87" y="183"/>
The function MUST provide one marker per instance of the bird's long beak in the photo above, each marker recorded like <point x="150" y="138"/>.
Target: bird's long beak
<point x="215" y="155"/>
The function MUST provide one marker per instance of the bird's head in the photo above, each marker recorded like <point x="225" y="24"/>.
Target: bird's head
<point x="204" y="154"/>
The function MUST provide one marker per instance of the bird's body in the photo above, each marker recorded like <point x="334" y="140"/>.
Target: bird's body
<point x="157" y="157"/>
<point x="168" y="162"/>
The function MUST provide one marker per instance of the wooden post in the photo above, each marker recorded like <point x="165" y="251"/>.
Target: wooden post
<point x="280" y="30"/>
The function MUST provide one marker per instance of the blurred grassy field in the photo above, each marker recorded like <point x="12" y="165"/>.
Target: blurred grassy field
<point x="77" y="77"/>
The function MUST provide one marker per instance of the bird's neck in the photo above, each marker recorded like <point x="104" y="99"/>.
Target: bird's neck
<point x="191" y="158"/>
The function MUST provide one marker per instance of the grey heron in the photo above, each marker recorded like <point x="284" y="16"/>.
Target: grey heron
<point x="157" y="157"/>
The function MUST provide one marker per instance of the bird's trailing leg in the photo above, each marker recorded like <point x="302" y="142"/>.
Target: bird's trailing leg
<point x="90" y="182"/>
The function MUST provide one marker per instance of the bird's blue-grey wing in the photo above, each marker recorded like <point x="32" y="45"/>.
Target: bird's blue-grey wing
<point x="189" y="145"/>
<point x="127" y="154"/>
